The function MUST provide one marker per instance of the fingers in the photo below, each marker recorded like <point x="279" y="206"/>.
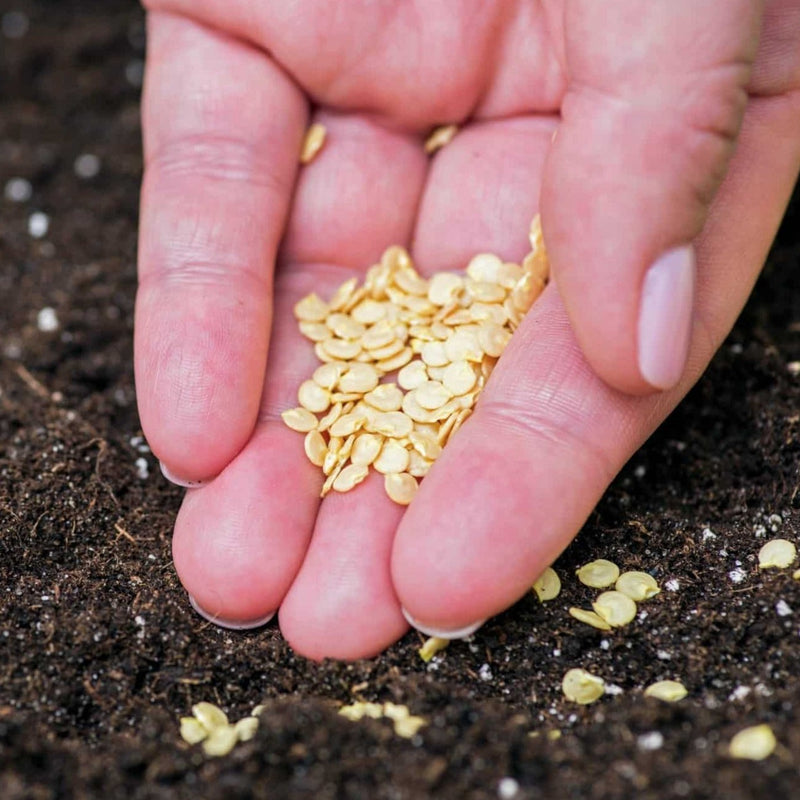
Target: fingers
<point x="653" y="106"/>
<point x="240" y="541"/>
<point x="521" y="476"/>
<point x="222" y="130"/>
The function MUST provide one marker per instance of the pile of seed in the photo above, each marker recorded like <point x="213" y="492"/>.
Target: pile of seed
<point x="209" y="724"/>
<point x="404" y="361"/>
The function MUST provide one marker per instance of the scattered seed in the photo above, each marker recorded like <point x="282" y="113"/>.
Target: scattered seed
<point x="246" y="728"/>
<point x="548" y="585"/>
<point x="220" y="741"/>
<point x="431" y="647"/>
<point x="616" y="608"/>
<point x="668" y="691"/>
<point x="778" y="553"/>
<point x="192" y="730"/>
<point x="755" y="743"/>
<point x="400" y="487"/>
<point x="299" y="419"/>
<point x="638" y="586"/>
<point x="349" y="477"/>
<point x="598" y="574"/>
<point x="582" y="687"/>
<point x="312" y="143"/>
<point x="590" y="618"/>
<point x="209" y="715"/>
<point x="439" y="137"/>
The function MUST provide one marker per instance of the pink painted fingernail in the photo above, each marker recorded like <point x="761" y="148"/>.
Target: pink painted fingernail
<point x="186" y="484"/>
<point x="234" y="625"/>
<point x="665" y="317"/>
<point x="443" y="633"/>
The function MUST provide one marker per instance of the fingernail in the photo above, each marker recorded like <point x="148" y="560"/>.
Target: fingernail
<point x="665" y="317"/>
<point x="172" y="478"/>
<point x="443" y="633"/>
<point x="234" y="625"/>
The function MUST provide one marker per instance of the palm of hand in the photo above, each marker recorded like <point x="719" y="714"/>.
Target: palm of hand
<point x="223" y="201"/>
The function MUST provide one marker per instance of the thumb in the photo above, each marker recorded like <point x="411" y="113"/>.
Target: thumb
<point x="655" y="96"/>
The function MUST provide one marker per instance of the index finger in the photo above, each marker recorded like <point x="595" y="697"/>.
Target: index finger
<point x="222" y="131"/>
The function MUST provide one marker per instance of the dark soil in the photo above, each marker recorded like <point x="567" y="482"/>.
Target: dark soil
<point x="100" y="653"/>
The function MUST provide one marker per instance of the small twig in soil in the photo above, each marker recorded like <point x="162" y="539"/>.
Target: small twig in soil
<point x="31" y="382"/>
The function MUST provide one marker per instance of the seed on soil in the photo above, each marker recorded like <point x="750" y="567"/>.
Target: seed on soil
<point x="779" y="553"/>
<point x="209" y="715"/>
<point x="548" y="585"/>
<point x="192" y="730"/>
<point x="590" y="618"/>
<point x="616" y="608"/>
<point x="312" y="143"/>
<point x="431" y="647"/>
<point x="598" y="574"/>
<point x="638" y="586"/>
<point x="246" y="728"/>
<point x="668" y="691"/>
<point x="755" y="743"/>
<point x="220" y="741"/>
<point x="401" y="487"/>
<point x="299" y="419"/>
<point x="442" y="336"/>
<point x="405" y="724"/>
<point x="439" y="137"/>
<point x="582" y="687"/>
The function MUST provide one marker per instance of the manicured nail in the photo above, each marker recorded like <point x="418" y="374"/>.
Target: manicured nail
<point x="456" y="633"/>
<point x="665" y="317"/>
<point x="172" y="478"/>
<point x="234" y="625"/>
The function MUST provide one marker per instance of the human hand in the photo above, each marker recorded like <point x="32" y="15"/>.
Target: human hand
<point x="651" y="100"/>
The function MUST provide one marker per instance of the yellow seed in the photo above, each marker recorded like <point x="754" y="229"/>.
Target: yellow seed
<point x="299" y="419"/>
<point x="463" y="345"/>
<point x="548" y="585"/>
<point x="484" y="267"/>
<point x="459" y="377"/>
<point x="386" y="397"/>
<point x="668" y="691"/>
<point x="412" y="375"/>
<point x="434" y="354"/>
<point x="327" y="375"/>
<point x="509" y="274"/>
<point x="359" y="378"/>
<point x="313" y="397"/>
<point x="590" y="618"/>
<point x="755" y="743"/>
<point x="485" y="292"/>
<point x="343" y="294"/>
<point x="315" y="331"/>
<point x="334" y="474"/>
<point x="246" y="728"/>
<point x="311" y="309"/>
<point x="379" y="335"/>
<point x="432" y="646"/>
<point x="400" y="487"/>
<point x="493" y="338"/>
<point x="395" y="362"/>
<point x="220" y="741"/>
<point x="394" y="347"/>
<point x="444" y="288"/>
<point x="598" y="574"/>
<point x="432" y="394"/>
<point x="796" y="575"/>
<point x="331" y="417"/>
<point x="315" y="448"/>
<point x="344" y="326"/>
<point x="410" y="281"/>
<point x="637" y="585"/>
<point x="524" y="294"/>
<point x="192" y="730"/>
<point x="341" y="349"/>
<point x="347" y="424"/>
<point x="461" y="417"/>
<point x="414" y="410"/>
<point x="365" y="449"/>
<point x="320" y="353"/>
<point x="439" y="137"/>
<point x="345" y="397"/>
<point x="312" y="142"/>
<point x="582" y="687"/>
<point x="418" y="465"/>
<point x="369" y="311"/>
<point x="616" y="608"/>
<point x="209" y="715"/>
<point x="778" y="553"/>
<point x="393" y="458"/>
<point x="346" y="449"/>
<point x="426" y="444"/>
<point x="395" y="424"/>
<point x="355" y="298"/>
<point x="350" y="477"/>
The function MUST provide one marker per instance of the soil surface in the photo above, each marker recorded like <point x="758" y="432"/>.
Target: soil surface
<point x="100" y="653"/>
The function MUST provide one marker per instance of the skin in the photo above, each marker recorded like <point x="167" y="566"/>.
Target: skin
<point x="676" y="122"/>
